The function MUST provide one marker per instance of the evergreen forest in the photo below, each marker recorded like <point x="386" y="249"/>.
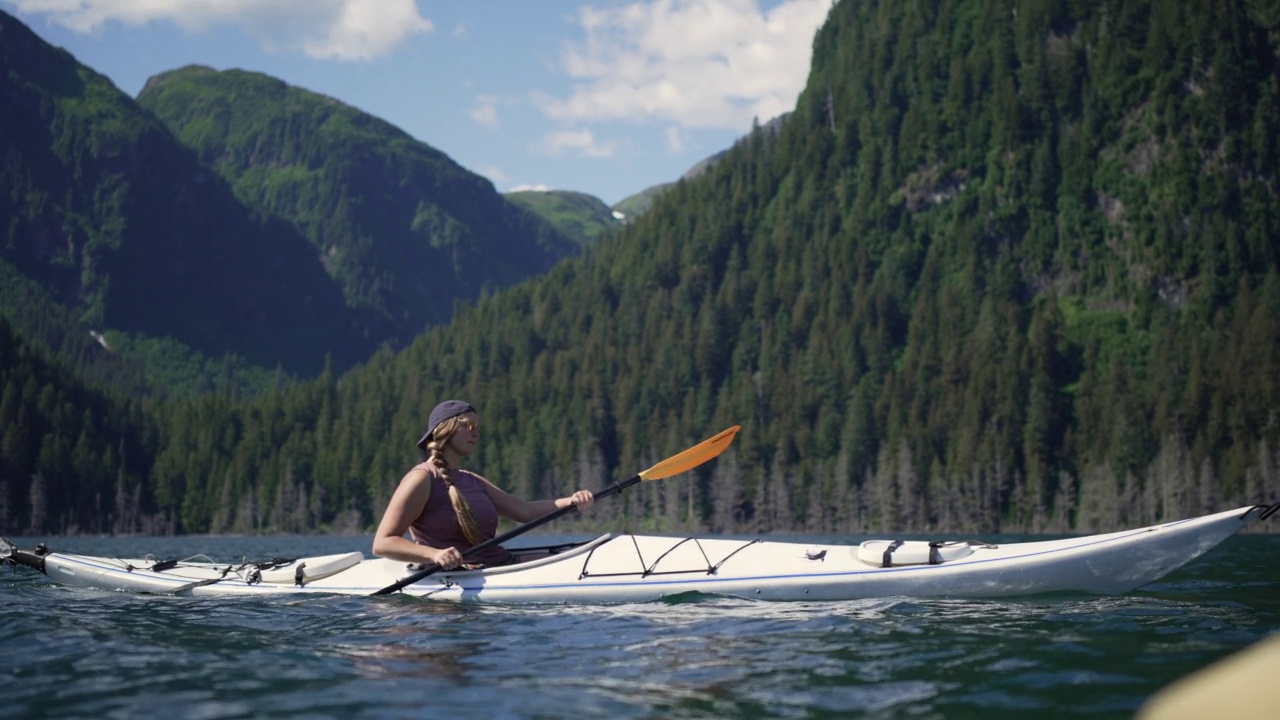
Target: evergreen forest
<point x="1007" y="267"/>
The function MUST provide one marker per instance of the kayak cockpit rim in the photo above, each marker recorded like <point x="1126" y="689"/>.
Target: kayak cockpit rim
<point x="571" y="551"/>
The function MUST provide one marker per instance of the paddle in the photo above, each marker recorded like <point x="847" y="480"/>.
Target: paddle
<point x="674" y="465"/>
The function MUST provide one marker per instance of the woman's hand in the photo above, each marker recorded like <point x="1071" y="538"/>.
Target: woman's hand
<point x="581" y="500"/>
<point x="448" y="558"/>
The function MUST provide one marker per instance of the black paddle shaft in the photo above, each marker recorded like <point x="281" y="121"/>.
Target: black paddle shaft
<point x="433" y="568"/>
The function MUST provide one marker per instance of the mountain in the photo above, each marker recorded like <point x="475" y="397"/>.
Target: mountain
<point x="584" y="218"/>
<point x="998" y="272"/>
<point x="402" y="228"/>
<point x="121" y="225"/>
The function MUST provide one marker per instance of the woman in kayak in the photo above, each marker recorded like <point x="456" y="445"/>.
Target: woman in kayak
<point x="448" y="510"/>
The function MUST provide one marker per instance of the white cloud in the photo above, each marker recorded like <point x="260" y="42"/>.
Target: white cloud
<point x="675" y="139"/>
<point x="493" y="172"/>
<point x="322" y="29"/>
<point x="531" y="188"/>
<point x="699" y="63"/>
<point x="368" y="28"/>
<point x="578" y="142"/>
<point x="486" y="111"/>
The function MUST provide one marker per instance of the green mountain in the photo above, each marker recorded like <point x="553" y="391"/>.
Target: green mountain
<point x="997" y="272"/>
<point x="579" y="216"/>
<point x="401" y="227"/>
<point x="122" y="228"/>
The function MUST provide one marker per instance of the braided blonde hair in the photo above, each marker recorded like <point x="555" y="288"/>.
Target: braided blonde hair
<point x="435" y="447"/>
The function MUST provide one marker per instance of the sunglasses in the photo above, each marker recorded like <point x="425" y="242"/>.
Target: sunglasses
<point x="469" y="425"/>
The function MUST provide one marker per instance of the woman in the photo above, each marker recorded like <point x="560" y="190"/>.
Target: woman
<point x="448" y="510"/>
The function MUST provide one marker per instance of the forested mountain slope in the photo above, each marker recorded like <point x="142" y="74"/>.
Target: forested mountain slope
<point x="999" y="271"/>
<point x="123" y="227"/>
<point x="402" y="228"/>
<point x="634" y="206"/>
<point x="69" y="453"/>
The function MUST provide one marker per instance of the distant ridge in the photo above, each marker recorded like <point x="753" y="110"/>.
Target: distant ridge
<point x="638" y="204"/>
<point x="582" y="217"/>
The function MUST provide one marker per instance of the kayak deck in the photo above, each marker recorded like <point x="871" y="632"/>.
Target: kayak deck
<point x="638" y="568"/>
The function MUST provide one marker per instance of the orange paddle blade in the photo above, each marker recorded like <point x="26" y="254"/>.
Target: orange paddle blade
<point x="693" y="457"/>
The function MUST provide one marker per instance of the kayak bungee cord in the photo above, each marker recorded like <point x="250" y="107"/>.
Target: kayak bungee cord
<point x="652" y="568"/>
<point x="253" y="575"/>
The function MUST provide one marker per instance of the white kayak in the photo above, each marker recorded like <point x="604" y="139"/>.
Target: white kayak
<point x="640" y="568"/>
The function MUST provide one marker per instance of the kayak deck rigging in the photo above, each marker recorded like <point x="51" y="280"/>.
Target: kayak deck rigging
<point x="652" y="569"/>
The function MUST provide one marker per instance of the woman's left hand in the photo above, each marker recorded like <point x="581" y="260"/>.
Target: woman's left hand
<point x="582" y="499"/>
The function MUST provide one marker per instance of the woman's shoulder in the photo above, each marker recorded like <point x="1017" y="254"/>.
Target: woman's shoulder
<point x="475" y="479"/>
<point x="422" y="472"/>
<point x="470" y="475"/>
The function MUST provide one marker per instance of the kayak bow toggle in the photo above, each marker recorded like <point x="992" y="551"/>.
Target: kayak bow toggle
<point x="33" y="559"/>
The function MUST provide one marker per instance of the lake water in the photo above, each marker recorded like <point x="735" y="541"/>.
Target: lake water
<point x="67" y="653"/>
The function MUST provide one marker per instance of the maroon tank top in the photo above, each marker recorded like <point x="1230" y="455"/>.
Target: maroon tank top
<point x="438" y="524"/>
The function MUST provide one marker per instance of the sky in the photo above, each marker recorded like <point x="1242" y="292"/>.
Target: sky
<point x="606" y="97"/>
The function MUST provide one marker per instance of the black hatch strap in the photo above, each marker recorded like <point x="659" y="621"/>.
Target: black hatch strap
<point x="935" y="548"/>
<point x="935" y="556"/>
<point x="886" y="560"/>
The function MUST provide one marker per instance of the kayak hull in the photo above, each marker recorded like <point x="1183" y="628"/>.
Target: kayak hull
<point x="641" y="568"/>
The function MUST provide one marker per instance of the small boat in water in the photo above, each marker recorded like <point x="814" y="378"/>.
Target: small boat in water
<point x="639" y="568"/>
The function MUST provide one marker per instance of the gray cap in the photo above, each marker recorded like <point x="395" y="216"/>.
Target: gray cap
<point x="444" y="411"/>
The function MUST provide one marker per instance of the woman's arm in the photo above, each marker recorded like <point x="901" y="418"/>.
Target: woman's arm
<point x="514" y="508"/>
<point x="406" y="504"/>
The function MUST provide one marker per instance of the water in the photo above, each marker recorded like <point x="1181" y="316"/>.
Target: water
<point x="67" y="653"/>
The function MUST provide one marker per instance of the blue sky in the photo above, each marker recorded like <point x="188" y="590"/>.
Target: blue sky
<point x="605" y="97"/>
